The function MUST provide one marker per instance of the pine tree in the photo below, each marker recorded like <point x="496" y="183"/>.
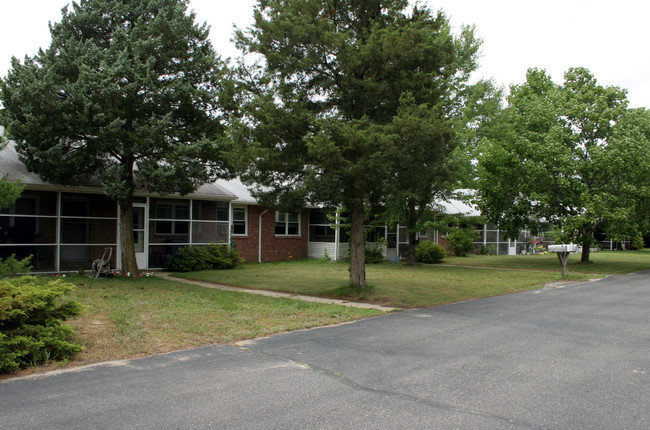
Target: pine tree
<point x="128" y="92"/>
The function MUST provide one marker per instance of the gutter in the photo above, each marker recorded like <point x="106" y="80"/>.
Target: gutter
<point x="259" y="234"/>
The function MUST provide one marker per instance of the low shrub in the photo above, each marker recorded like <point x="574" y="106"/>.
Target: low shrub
<point x="10" y="266"/>
<point x="486" y="250"/>
<point x="429" y="252"/>
<point x="31" y="322"/>
<point x="223" y="257"/>
<point x="374" y="255"/>
<point x="194" y="258"/>
<point x="461" y="241"/>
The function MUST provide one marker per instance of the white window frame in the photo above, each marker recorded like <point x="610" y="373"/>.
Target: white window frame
<point x="232" y="216"/>
<point x="286" y="223"/>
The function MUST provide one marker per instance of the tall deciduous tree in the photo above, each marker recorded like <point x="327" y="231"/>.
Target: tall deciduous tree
<point x="625" y="200"/>
<point x="340" y="79"/>
<point x="545" y="162"/>
<point x="128" y="91"/>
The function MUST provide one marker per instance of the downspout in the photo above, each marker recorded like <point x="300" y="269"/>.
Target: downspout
<point x="259" y="233"/>
<point x="337" y="237"/>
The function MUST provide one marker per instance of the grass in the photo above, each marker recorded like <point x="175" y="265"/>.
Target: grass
<point x="424" y="285"/>
<point x="602" y="263"/>
<point x="129" y="318"/>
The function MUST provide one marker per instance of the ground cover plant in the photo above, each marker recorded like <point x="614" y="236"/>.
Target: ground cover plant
<point x="32" y="327"/>
<point x="127" y="317"/>
<point x="390" y="283"/>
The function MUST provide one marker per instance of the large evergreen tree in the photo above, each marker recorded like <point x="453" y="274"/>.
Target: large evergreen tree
<point x="128" y="92"/>
<point x="339" y="80"/>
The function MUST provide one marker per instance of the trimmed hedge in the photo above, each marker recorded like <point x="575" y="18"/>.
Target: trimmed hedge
<point x="31" y="322"/>
<point x="193" y="258"/>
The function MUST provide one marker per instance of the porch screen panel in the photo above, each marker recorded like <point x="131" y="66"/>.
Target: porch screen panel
<point x="28" y="228"/>
<point x="88" y="228"/>
<point x="24" y="229"/>
<point x="210" y="222"/>
<point x="174" y="223"/>
<point x="43" y="257"/>
<point x="169" y="221"/>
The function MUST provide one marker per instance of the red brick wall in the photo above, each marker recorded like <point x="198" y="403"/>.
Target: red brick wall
<point x="274" y="248"/>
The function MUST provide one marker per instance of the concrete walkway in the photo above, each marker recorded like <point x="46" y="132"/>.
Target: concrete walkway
<point x="206" y="284"/>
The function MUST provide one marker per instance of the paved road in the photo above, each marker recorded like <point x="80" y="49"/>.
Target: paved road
<point x="576" y="357"/>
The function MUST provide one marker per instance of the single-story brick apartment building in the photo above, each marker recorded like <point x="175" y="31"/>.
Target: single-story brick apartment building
<point x="66" y="228"/>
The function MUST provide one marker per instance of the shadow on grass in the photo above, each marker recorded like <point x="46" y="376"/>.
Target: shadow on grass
<point x="351" y="292"/>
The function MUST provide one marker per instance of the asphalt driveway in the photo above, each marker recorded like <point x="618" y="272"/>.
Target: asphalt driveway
<point x="574" y="357"/>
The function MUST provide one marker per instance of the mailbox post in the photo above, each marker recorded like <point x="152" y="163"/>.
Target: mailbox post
<point x="563" y="252"/>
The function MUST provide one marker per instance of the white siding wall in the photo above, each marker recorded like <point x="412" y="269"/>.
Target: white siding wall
<point x="317" y="249"/>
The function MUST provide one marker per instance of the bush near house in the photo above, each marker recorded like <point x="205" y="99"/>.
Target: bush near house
<point x="11" y="266"/>
<point x="32" y="330"/>
<point x="429" y="252"/>
<point x="194" y="258"/>
<point x="461" y="240"/>
<point x="373" y="255"/>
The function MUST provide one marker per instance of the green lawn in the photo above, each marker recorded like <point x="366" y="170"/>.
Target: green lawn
<point x="424" y="285"/>
<point x="127" y="318"/>
<point x="602" y="263"/>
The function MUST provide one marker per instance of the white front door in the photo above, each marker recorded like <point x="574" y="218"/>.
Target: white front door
<point x="139" y="227"/>
<point x="512" y="247"/>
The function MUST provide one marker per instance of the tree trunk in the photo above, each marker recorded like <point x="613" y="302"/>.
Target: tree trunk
<point x="357" y="251"/>
<point x="129" y="262"/>
<point x="411" y="248"/>
<point x="584" y="258"/>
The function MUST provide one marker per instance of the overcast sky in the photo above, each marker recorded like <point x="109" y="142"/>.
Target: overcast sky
<point x="608" y="37"/>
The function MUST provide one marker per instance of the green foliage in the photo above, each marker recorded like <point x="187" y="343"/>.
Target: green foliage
<point x="31" y="322"/>
<point x="326" y="257"/>
<point x="549" y="157"/>
<point x="461" y="240"/>
<point x="125" y="86"/>
<point x="10" y="266"/>
<point x="486" y="250"/>
<point x="429" y="252"/>
<point x="351" y="104"/>
<point x="374" y="255"/>
<point x="636" y="243"/>
<point x="194" y="258"/>
<point x="9" y="191"/>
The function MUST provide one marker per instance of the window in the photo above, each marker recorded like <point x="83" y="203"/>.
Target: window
<point x="239" y="221"/>
<point x="320" y="229"/>
<point x="167" y="214"/>
<point x="287" y="224"/>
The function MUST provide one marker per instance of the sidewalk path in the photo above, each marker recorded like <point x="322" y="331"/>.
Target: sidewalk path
<point x="206" y="284"/>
